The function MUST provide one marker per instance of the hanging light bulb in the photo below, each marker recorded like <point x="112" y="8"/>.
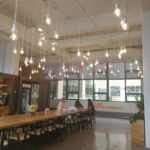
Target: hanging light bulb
<point x="78" y="52"/>
<point x="124" y="24"/>
<point x="43" y="38"/>
<point x="32" y="72"/>
<point x="72" y="69"/>
<point x="111" y="72"/>
<point x="43" y="68"/>
<point x="44" y="59"/>
<point x="124" y="50"/>
<point x="13" y="35"/>
<point x="31" y="60"/>
<point x="39" y="66"/>
<point x="60" y="73"/>
<point x="22" y="51"/>
<point x="15" y="50"/>
<point x="87" y="68"/>
<point x="20" y="68"/>
<point x="30" y="77"/>
<point x="106" y="54"/>
<point x="117" y="11"/>
<point x="118" y="71"/>
<point x="40" y="29"/>
<point x="82" y="63"/>
<point x="119" y="56"/>
<point x="110" y="65"/>
<point x="91" y="65"/>
<point x="96" y="62"/>
<point x="56" y="35"/>
<point x="53" y="48"/>
<point x="48" y="20"/>
<point x="136" y="62"/>
<point x="88" y="53"/>
<point x="40" y="43"/>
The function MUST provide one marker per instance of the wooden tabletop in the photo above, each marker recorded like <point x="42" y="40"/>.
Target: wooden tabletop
<point x="22" y="119"/>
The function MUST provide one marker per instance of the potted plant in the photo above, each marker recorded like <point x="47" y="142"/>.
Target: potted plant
<point x="137" y="124"/>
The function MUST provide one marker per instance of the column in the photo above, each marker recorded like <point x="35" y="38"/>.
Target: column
<point x="146" y="66"/>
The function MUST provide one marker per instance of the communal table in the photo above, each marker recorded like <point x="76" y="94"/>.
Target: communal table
<point x="23" y="119"/>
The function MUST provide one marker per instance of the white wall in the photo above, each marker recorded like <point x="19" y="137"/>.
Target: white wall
<point x="146" y="67"/>
<point x="103" y="106"/>
<point x="9" y="62"/>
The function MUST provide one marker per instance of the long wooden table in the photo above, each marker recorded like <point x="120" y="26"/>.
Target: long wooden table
<point x="23" y="119"/>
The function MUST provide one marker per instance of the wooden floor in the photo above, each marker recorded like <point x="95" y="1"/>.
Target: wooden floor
<point x="108" y="134"/>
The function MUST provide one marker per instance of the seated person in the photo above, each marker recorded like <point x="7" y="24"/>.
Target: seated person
<point x="61" y="104"/>
<point x="78" y="105"/>
<point x="91" y="108"/>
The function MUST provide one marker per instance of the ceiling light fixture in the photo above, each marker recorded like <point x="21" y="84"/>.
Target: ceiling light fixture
<point x="13" y="35"/>
<point x="22" y="51"/>
<point x="117" y="11"/>
<point x="48" y="20"/>
<point x="56" y="35"/>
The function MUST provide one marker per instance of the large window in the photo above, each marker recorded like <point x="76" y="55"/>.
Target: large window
<point x="117" y="90"/>
<point x="72" y="89"/>
<point x="86" y="89"/>
<point x="100" y="90"/>
<point x="104" y="82"/>
<point x="133" y="89"/>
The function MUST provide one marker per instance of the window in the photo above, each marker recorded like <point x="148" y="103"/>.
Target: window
<point x="117" y="90"/>
<point x="100" y="89"/>
<point x="133" y="89"/>
<point x="86" y="89"/>
<point x="73" y="89"/>
<point x="53" y="89"/>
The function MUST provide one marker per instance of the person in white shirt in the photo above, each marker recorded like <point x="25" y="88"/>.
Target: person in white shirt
<point x="61" y="104"/>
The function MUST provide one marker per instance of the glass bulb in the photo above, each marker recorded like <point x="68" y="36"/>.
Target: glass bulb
<point x="22" y="51"/>
<point x="82" y="63"/>
<point x="117" y="11"/>
<point x="106" y="54"/>
<point x="40" y="43"/>
<point x="40" y="29"/>
<point x="136" y="62"/>
<point x="20" y="68"/>
<point x="56" y="35"/>
<point x="30" y="77"/>
<point x="31" y="60"/>
<point x="15" y="51"/>
<point x="13" y="35"/>
<point x="124" y="24"/>
<point x="53" y="48"/>
<point x="119" y="56"/>
<point x="48" y="20"/>
<point x="43" y="68"/>
<point x="39" y="66"/>
<point x="88" y="53"/>
<point x="78" y="53"/>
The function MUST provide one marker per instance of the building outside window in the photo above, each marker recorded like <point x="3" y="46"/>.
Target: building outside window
<point x="133" y="89"/>
<point x="100" y="90"/>
<point x="86" y="89"/>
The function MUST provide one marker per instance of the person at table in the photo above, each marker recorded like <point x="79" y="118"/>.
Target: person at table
<point x="91" y="108"/>
<point x="78" y="104"/>
<point x="61" y="104"/>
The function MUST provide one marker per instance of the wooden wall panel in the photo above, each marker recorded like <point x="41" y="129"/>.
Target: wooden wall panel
<point x="43" y="96"/>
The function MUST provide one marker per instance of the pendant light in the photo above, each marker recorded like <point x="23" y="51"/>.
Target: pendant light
<point x="13" y="35"/>
<point x="117" y="11"/>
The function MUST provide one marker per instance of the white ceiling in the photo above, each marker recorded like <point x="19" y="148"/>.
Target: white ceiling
<point x="94" y="19"/>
